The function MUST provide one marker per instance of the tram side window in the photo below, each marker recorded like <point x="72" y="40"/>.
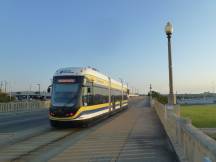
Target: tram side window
<point x="93" y="95"/>
<point x="101" y="95"/>
<point x="116" y="95"/>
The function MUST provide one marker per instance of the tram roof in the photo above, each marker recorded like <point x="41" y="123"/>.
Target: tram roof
<point x="83" y="71"/>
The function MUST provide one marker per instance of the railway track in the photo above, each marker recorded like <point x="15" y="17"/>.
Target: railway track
<point x="43" y="145"/>
<point x="27" y="149"/>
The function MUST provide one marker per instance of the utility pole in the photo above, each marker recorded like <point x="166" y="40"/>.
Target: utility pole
<point x="30" y="87"/>
<point x="122" y="88"/>
<point x="10" y="90"/>
<point x="150" y="88"/>
<point x="1" y="86"/>
<point x="127" y="88"/>
<point x="150" y="94"/>
<point x="39" y="89"/>
<point x="5" y="86"/>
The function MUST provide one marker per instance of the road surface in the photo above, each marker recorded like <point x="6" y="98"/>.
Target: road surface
<point x="131" y="135"/>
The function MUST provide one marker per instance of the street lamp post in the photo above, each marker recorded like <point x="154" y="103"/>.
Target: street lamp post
<point x="150" y="92"/>
<point x="169" y="31"/>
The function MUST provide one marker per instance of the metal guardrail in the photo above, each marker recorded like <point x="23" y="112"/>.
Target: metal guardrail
<point x="23" y="106"/>
<point x="190" y="143"/>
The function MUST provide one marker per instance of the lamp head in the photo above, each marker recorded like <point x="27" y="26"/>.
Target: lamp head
<point x="169" y="28"/>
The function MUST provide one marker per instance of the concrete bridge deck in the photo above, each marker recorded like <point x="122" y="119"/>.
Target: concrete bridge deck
<point x="135" y="135"/>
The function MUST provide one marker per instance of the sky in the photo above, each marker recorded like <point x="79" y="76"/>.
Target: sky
<point x="121" y="38"/>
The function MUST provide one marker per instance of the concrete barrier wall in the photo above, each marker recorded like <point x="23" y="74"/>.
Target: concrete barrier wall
<point x="190" y="143"/>
<point x="23" y="106"/>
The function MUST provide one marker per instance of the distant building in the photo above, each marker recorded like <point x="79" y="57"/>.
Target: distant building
<point x="30" y="95"/>
<point x="203" y="98"/>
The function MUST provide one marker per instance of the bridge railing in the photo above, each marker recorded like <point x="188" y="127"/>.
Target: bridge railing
<point x="190" y="143"/>
<point x="23" y="106"/>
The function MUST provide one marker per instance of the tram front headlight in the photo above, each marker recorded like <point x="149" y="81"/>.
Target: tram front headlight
<point x="71" y="114"/>
<point x="52" y="114"/>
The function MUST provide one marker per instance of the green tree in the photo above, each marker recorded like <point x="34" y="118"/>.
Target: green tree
<point x="161" y="98"/>
<point x="5" y="98"/>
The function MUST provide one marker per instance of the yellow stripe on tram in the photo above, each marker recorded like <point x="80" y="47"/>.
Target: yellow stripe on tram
<point x="82" y="109"/>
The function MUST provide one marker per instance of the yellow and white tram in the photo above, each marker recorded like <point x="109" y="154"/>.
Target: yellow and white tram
<point x="83" y="94"/>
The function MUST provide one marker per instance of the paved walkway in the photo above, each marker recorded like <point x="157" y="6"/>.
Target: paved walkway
<point x="134" y="135"/>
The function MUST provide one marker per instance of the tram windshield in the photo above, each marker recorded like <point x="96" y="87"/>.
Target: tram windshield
<point x="65" y="93"/>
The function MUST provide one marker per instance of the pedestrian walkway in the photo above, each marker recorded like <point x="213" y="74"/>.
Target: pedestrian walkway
<point x="134" y="135"/>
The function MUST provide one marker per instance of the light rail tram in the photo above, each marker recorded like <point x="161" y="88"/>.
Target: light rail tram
<point x="80" y="95"/>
